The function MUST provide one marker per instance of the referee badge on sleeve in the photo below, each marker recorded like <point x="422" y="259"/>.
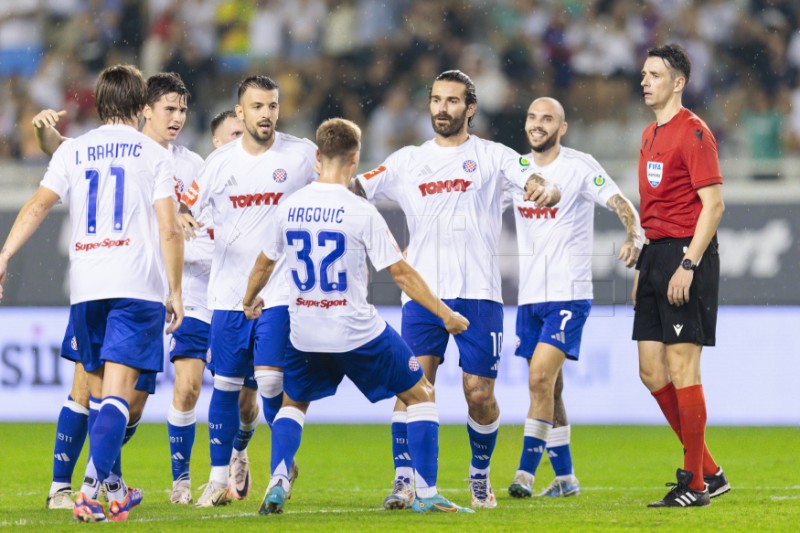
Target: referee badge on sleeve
<point x="655" y="171"/>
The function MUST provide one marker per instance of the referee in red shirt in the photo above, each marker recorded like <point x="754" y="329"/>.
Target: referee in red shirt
<point x="676" y="287"/>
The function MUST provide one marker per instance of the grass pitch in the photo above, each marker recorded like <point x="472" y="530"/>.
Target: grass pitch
<point x="345" y="472"/>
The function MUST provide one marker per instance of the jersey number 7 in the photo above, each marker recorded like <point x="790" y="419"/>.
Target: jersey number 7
<point x="93" y="175"/>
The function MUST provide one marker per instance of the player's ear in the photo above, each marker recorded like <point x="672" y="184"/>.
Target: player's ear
<point x="147" y="112"/>
<point x="239" y="111"/>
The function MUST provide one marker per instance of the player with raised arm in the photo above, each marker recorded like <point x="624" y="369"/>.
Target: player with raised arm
<point x="676" y="288"/>
<point x="555" y="290"/>
<point x="165" y="116"/>
<point x="120" y="188"/>
<point x="79" y="411"/>
<point x="243" y="182"/>
<point x="327" y="234"/>
<point x="451" y="191"/>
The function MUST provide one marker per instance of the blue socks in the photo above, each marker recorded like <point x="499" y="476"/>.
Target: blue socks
<point x="534" y="444"/>
<point x="559" y="451"/>
<point x="400" y="452"/>
<point x="423" y="443"/>
<point x="482" y="439"/>
<point x="223" y="419"/>
<point x="270" y="388"/>
<point x="287" y="431"/>
<point x="181" y="427"/>
<point x="245" y="433"/>
<point x="105" y="443"/>
<point x="270" y="407"/>
<point x="73" y="421"/>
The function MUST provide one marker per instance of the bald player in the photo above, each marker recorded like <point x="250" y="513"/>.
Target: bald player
<point x="555" y="294"/>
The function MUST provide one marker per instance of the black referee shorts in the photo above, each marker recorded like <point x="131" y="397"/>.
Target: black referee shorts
<point x="655" y="319"/>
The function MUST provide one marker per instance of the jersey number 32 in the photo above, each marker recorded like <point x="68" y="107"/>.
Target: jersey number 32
<point x="321" y="273"/>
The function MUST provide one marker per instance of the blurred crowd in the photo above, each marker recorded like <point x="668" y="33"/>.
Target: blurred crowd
<point x="372" y="61"/>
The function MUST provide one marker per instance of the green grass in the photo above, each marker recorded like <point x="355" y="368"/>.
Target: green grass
<point x="345" y="471"/>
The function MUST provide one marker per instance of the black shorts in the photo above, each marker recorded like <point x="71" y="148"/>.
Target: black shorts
<point x="655" y="319"/>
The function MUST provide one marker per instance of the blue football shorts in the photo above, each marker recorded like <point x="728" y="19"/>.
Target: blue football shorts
<point x="69" y="351"/>
<point x="190" y="340"/>
<point x="559" y="324"/>
<point x="478" y="348"/>
<point x="126" y="331"/>
<point x="236" y="343"/>
<point x="380" y="368"/>
<point x="271" y="336"/>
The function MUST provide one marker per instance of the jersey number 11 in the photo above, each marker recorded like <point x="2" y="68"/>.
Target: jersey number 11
<point x="93" y="175"/>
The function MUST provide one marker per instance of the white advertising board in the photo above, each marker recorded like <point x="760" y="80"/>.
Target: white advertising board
<point x="750" y="377"/>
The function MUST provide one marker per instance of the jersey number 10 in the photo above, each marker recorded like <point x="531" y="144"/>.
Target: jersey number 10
<point x="309" y="280"/>
<point x="93" y="175"/>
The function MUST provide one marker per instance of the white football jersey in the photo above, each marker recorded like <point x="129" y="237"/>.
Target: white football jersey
<point x="243" y="192"/>
<point x="326" y="233"/>
<point x="452" y="198"/>
<point x="555" y="243"/>
<point x="111" y="176"/>
<point x="197" y="252"/>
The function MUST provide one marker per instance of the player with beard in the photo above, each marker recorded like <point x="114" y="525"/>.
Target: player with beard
<point x="555" y="292"/>
<point x="451" y="191"/>
<point x="243" y="183"/>
<point x="326" y="235"/>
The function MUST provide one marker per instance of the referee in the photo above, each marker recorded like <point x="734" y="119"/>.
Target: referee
<point x="676" y="287"/>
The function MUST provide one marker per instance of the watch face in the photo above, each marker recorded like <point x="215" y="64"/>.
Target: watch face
<point x="688" y="265"/>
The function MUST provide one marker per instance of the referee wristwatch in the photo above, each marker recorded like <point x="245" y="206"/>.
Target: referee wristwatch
<point x="687" y="264"/>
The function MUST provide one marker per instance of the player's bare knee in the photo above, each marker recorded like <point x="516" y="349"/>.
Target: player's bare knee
<point x="80" y="392"/>
<point x="248" y="405"/>
<point x="426" y="389"/>
<point x="185" y="395"/>
<point x="80" y="386"/>
<point x="541" y="383"/>
<point x="136" y="406"/>
<point x="479" y="392"/>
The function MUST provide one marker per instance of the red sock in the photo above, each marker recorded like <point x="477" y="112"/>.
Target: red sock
<point x="668" y="402"/>
<point x="692" y="407"/>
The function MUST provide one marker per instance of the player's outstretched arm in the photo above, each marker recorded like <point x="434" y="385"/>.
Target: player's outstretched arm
<point x="542" y="192"/>
<point x="629" y="252"/>
<point x="28" y="220"/>
<point x="172" y="252"/>
<point x="415" y="287"/>
<point x="259" y="276"/>
<point x="44" y="127"/>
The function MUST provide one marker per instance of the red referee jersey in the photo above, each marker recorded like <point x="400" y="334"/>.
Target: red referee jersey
<point x="676" y="159"/>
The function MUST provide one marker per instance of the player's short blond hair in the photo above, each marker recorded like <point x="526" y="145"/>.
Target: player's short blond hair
<point x="338" y="137"/>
